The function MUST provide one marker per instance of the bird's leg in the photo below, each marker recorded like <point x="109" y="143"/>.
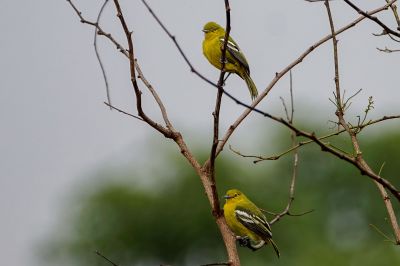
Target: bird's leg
<point x="227" y="76"/>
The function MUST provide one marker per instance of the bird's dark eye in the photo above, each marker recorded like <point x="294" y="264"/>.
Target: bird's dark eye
<point x="236" y="195"/>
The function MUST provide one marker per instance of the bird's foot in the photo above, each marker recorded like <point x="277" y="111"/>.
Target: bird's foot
<point x="244" y="241"/>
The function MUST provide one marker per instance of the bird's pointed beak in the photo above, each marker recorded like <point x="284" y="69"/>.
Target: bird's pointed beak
<point x="227" y="197"/>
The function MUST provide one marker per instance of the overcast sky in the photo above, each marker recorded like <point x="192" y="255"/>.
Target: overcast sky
<point x="56" y="132"/>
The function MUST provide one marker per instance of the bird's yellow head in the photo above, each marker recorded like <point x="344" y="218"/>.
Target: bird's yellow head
<point x="211" y="27"/>
<point x="234" y="195"/>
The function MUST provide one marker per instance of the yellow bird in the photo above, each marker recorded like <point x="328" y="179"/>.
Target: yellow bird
<point x="214" y="38"/>
<point x="247" y="221"/>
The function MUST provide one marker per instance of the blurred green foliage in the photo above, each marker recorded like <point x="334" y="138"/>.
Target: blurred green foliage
<point x="171" y="223"/>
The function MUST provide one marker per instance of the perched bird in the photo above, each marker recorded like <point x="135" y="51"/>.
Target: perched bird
<point x="247" y="221"/>
<point x="214" y="38"/>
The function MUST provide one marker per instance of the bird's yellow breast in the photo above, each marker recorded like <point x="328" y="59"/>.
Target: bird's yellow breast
<point x="211" y="49"/>
<point x="236" y="227"/>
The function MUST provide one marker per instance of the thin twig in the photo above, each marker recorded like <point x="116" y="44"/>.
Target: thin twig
<point x="394" y="39"/>
<point x="122" y="111"/>
<point x="128" y="34"/>
<point x="382" y="233"/>
<point x="103" y="71"/>
<point x="291" y="97"/>
<point x="216" y="264"/>
<point x="380" y="169"/>
<point x="105" y="258"/>
<point x="302" y="143"/>
<point x="100" y="30"/>
<point x="295" y="155"/>
<point x="295" y="160"/>
<point x="387" y="50"/>
<point x="285" y="108"/>
<point x="155" y="95"/>
<point x="288" y="213"/>
<point x="393" y="7"/>
<point x="339" y="104"/>
<point x="346" y="103"/>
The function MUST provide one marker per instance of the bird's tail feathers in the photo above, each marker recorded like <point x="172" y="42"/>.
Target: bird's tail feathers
<point x="250" y="84"/>
<point x="275" y="247"/>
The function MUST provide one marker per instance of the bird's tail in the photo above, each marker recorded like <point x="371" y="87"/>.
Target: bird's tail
<point x="275" y="247"/>
<point x="250" y="84"/>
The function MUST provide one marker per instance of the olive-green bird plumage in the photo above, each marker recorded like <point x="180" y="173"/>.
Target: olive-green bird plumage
<point x="214" y="38"/>
<point x="247" y="221"/>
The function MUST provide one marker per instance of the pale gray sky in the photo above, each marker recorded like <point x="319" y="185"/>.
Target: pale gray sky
<point x="55" y="130"/>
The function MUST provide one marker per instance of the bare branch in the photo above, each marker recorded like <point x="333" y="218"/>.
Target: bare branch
<point x="391" y="213"/>
<point x="129" y="54"/>
<point x="206" y="172"/>
<point x="362" y="164"/>
<point x="373" y="18"/>
<point x="230" y="240"/>
<point x="327" y="148"/>
<point x="100" y="30"/>
<point x="357" y="128"/>
<point x="211" y="161"/>
<point x="279" y="75"/>
<point x="176" y="136"/>
<point x="165" y="131"/>
<point x="387" y="50"/>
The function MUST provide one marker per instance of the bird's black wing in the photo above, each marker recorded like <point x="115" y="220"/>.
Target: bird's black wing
<point x="234" y="50"/>
<point x="256" y="223"/>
